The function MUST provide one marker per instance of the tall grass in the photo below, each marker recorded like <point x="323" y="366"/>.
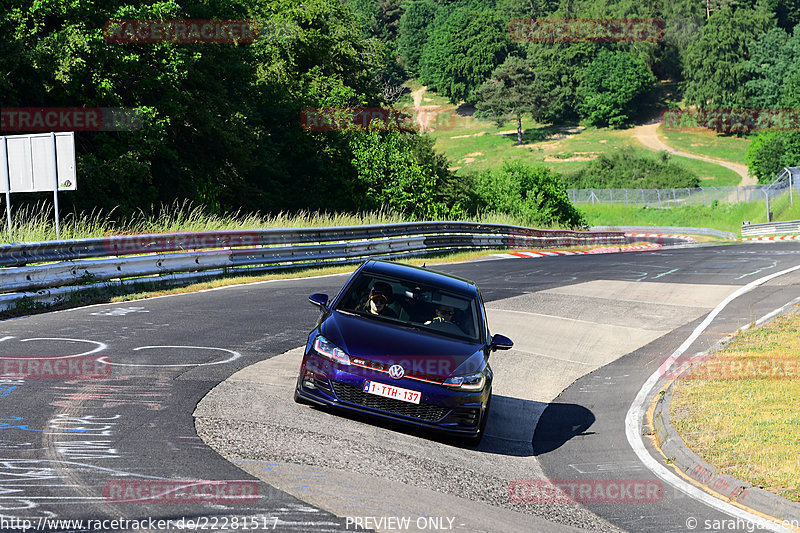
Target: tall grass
<point x="35" y="222"/>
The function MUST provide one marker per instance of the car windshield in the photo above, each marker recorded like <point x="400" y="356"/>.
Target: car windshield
<point x="415" y="305"/>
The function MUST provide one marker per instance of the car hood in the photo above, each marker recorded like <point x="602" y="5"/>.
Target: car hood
<point x="419" y="352"/>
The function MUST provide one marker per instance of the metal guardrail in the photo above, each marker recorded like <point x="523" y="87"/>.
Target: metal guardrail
<point x="47" y="271"/>
<point x="770" y="228"/>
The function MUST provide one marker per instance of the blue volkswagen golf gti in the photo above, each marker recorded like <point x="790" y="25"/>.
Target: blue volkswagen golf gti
<point x="405" y="344"/>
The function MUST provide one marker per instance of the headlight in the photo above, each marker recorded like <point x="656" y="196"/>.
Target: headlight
<point x="470" y="382"/>
<point x="326" y="348"/>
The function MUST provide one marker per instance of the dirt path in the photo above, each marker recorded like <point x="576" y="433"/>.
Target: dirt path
<point x="648" y="136"/>
<point x="418" y="94"/>
<point x="428" y="116"/>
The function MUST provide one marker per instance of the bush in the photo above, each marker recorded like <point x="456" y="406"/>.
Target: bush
<point x="535" y="194"/>
<point x="401" y="172"/>
<point x="628" y="169"/>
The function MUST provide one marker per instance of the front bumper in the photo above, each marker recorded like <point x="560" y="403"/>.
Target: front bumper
<point x="441" y="409"/>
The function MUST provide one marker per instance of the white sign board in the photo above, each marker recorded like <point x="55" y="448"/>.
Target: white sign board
<point x="30" y="162"/>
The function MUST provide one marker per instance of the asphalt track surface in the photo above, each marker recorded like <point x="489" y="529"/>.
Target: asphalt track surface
<point x="63" y="442"/>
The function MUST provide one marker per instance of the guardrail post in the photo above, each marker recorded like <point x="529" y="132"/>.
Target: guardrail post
<point x="7" y="182"/>
<point x="658" y="192"/>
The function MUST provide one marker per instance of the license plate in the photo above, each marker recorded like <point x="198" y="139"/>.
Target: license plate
<point x="390" y="391"/>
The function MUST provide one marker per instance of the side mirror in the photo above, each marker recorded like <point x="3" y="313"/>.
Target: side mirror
<point x="319" y="299"/>
<point x="501" y="342"/>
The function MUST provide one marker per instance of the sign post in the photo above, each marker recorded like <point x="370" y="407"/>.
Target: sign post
<point x="7" y="184"/>
<point x="55" y="183"/>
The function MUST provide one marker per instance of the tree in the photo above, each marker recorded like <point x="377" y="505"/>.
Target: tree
<point x="396" y="172"/>
<point x="462" y="51"/>
<point x="774" y="58"/>
<point x="512" y="90"/>
<point x="611" y="85"/>
<point x="220" y="123"/>
<point x="559" y="67"/>
<point x="715" y="69"/>
<point x="412" y="33"/>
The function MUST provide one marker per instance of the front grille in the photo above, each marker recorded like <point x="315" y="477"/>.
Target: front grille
<point x="351" y="394"/>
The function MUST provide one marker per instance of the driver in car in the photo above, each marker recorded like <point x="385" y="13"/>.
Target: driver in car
<point x="444" y="313"/>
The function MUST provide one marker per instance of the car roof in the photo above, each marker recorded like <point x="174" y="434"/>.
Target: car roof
<point x="420" y="275"/>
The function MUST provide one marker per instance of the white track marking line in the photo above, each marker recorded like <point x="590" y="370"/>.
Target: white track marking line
<point x="633" y="428"/>
<point x="234" y="356"/>
<point x="100" y="345"/>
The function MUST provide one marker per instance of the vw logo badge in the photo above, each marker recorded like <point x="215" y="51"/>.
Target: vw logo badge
<point x="396" y="372"/>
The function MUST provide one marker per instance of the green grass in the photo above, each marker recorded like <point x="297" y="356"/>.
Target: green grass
<point x="701" y="141"/>
<point x="748" y="428"/>
<point x="475" y="144"/>
<point x="726" y="217"/>
<point x="710" y="174"/>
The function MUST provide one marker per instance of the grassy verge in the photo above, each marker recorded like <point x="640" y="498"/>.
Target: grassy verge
<point x="702" y="141"/>
<point x="726" y="217"/>
<point x="748" y="428"/>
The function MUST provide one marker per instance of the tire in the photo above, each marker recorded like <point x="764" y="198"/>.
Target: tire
<point x="297" y="397"/>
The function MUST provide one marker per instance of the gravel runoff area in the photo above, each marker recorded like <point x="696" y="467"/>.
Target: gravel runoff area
<point x="252" y="417"/>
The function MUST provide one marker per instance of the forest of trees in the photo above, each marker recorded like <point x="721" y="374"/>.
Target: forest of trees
<point x="221" y="122"/>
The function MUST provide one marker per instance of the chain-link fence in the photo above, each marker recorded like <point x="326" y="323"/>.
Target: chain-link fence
<point x="788" y="180"/>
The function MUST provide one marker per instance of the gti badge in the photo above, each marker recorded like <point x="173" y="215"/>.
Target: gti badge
<point x="396" y="372"/>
